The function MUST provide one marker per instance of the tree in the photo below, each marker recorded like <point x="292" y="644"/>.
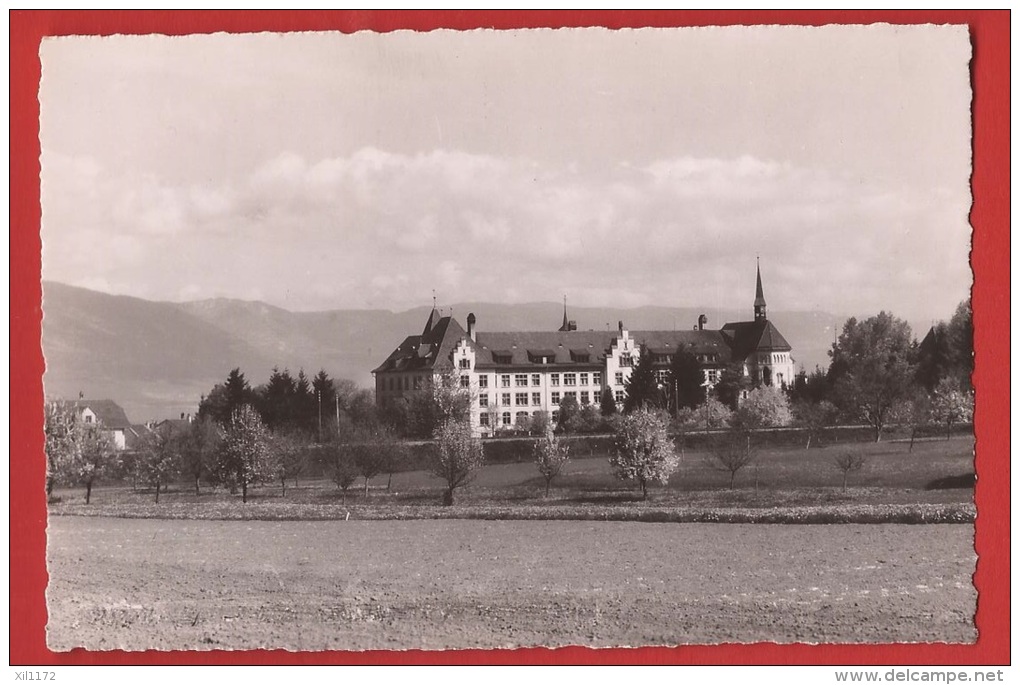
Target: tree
<point x="373" y="454"/>
<point x="847" y="462"/>
<point x="337" y="458"/>
<point x="731" y="385"/>
<point x="90" y="455"/>
<point x="685" y="421"/>
<point x="60" y="425"/>
<point x="160" y="457"/>
<point x="764" y="407"/>
<point x="289" y="451"/>
<point x="642" y="390"/>
<point x="440" y="400"/>
<point x="644" y="451"/>
<point x="812" y="388"/>
<point x="947" y="352"/>
<point x="200" y="446"/>
<point x="276" y="400"/>
<point x="551" y="455"/>
<point x="713" y="414"/>
<point x="541" y="423"/>
<point x="608" y="404"/>
<point x="872" y="368"/>
<point x="587" y="420"/>
<point x="813" y="417"/>
<point x="686" y="380"/>
<point x="731" y="453"/>
<point x="456" y="456"/>
<point x="226" y="398"/>
<point x="244" y="457"/>
<point x="950" y="406"/>
<point x="568" y="411"/>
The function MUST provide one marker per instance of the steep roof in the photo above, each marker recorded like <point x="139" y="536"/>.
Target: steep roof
<point x="429" y="351"/>
<point x="745" y="337"/>
<point x="109" y="413"/>
<point x="759" y="294"/>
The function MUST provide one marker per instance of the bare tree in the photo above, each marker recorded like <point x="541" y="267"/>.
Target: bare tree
<point x="373" y="454"/>
<point x="290" y="456"/>
<point x="551" y="455"/>
<point x="456" y="456"/>
<point x="847" y="462"/>
<point x="731" y="453"/>
<point x="337" y="458"/>
<point x="199" y="449"/>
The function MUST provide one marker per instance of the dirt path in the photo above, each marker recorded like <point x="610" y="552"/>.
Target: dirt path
<point x="137" y="584"/>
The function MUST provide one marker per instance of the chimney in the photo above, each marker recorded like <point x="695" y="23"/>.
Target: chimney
<point x="471" y="326"/>
<point x="702" y="320"/>
<point x="619" y="325"/>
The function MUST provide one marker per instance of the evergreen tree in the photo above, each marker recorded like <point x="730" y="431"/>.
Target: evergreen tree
<point x="732" y="383"/>
<point x="642" y="389"/>
<point x="608" y="404"/>
<point x="686" y="380"/>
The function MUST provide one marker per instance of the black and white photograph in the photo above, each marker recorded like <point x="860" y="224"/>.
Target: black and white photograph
<point x="489" y="339"/>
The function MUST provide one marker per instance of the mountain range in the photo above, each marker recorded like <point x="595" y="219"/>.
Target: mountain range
<point x="156" y="359"/>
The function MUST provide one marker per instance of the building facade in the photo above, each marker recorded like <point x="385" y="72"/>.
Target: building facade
<point x="517" y="375"/>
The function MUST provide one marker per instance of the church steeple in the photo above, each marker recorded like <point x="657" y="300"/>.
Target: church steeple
<point x="759" y="299"/>
<point x="433" y="317"/>
<point x="566" y="324"/>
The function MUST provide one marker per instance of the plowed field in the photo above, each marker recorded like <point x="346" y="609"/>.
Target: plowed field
<point x="137" y="584"/>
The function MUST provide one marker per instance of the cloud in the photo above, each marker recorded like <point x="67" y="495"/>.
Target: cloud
<point x="381" y="229"/>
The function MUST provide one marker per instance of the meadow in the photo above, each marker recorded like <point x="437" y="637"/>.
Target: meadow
<point x="930" y="482"/>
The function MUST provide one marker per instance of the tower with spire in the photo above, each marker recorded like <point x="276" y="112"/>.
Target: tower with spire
<point x="568" y="325"/>
<point x="759" y="298"/>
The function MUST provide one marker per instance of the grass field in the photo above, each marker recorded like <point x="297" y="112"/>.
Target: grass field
<point x="351" y="585"/>
<point x="789" y="479"/>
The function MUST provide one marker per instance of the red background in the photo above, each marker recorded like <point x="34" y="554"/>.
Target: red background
<point x="990" y="260"/>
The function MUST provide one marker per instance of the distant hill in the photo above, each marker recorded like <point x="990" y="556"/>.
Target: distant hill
<point x="157" y="358"/>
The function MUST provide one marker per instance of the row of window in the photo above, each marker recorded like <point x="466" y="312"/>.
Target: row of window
<point x="398" y="383"/>
<point x="524" y="380"/>
<point x="523" y="399"/>
<point x="506" y="418"/>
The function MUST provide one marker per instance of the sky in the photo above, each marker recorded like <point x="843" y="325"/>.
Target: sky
<point x="618" y="168"/>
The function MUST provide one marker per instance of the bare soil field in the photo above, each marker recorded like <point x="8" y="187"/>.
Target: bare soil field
<point x="136" y="584"/>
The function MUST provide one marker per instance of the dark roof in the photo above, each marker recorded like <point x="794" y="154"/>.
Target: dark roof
<point x="109" y="413"/>
<point x="522" y="346"/>
<point x="759" y="294"/>
<point x="745" y="337"/>
<point x="433" y="350"/>
<point x="429" y="351"/>
<point x="135" y="434"/>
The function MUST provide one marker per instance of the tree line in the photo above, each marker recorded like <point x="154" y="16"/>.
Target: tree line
<point x="280" y="430"/>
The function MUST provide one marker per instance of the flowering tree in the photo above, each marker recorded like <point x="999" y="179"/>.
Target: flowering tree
<point x="950" y="406"/>
<point x="160" y="456"/>
<point x="456" y="457"/>
<point x="644" y="451"/>
<point x="764" y="407"/>
<point x="551" y="455"/>
<point x="244" y="455"/>
<point x="60" y="425"/>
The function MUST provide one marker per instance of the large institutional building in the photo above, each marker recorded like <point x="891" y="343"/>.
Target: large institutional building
<point x="517" y="375"/>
